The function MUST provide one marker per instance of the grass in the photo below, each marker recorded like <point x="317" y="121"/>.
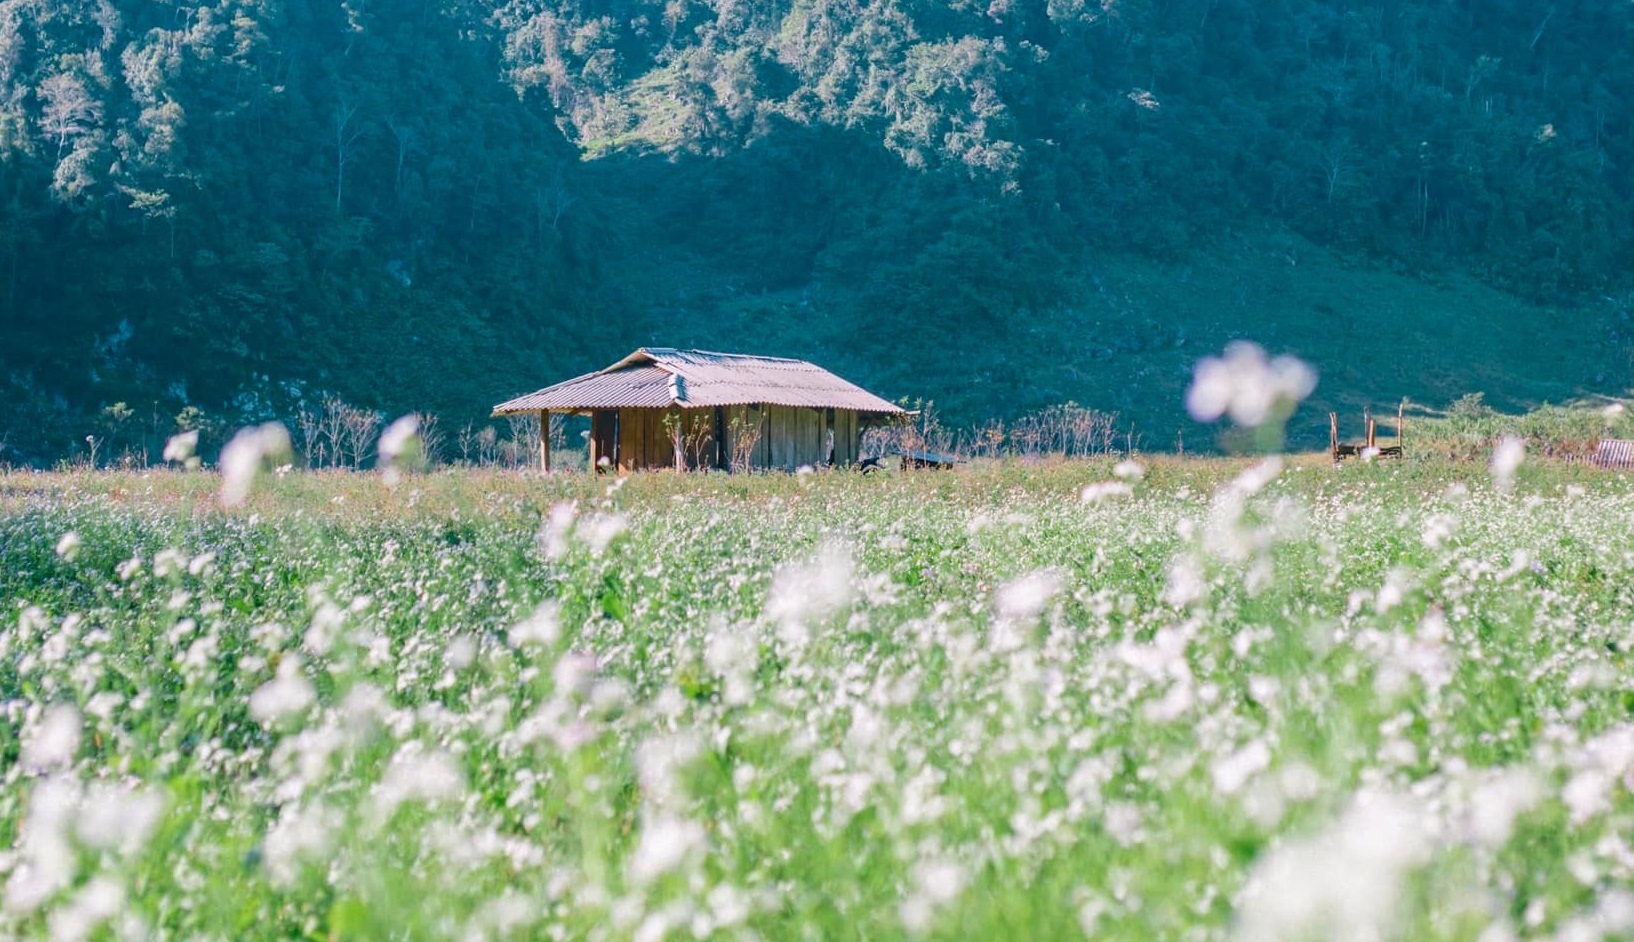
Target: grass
<point x="1125" y="335"/>
<point x="1383" y="700"/>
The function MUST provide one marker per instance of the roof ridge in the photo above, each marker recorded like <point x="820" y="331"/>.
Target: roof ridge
<point x="721" y="353"/>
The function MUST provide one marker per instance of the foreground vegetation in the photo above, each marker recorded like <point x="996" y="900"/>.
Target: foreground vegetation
<point x="1195" y="700"/>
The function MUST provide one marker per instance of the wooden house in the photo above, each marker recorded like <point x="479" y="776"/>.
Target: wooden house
<point x="692" y="409"/>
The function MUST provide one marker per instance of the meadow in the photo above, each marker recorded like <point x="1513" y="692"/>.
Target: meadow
<point x="1185" y="700"/>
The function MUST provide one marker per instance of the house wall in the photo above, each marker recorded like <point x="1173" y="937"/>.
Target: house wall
<point x="646" y="438"/>
<point x="760" y="437"/>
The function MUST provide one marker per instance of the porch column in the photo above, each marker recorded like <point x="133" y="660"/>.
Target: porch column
<point x="544" y="440"/>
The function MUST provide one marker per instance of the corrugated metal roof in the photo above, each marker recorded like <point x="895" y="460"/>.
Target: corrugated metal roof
<point x="1614" y="453"/>
<point x="657" y="377"/>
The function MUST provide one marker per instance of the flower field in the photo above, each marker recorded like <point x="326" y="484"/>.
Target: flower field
<point x="1192" y="701"/>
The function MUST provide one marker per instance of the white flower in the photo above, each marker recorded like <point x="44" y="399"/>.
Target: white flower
<point x="665" y="843"/>
<point x="599" y="531"/>
<point x="1233" y="772"/>
<point x="399" y="447"/>
<point x="1186" y="584"/>
<point x="1024" y="598"/>
<point x="1506" y="458"/>
<point x="1247" y="386"/>
<point x="44" y="862"/>
<point x="68" y="546"/>
<point x="299" y="832"/>
<point x="244" y="457"/>
<point x="1344" y="883"/>
<point x="399" y="437"/>
<point x="558" y="527"/>
<point x="802" y="593"/>
<point x="417" y="775"/>
<point x="1496" y="803"/>
<point x="95" y="903"/>
<point x="288" y="693"/>
<point x="1129" y="470"/>
<point x="181" y="447"/>
<point x="1101" y="490"/>
<point x="542" y="628"/>
<point x="936" y="883"/>
<point x="117" y="817"/>
<point x="54" y="741"/>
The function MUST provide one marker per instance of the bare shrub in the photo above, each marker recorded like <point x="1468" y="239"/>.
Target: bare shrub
<point x="745" y="436"/>
<point x="433" y="438"/>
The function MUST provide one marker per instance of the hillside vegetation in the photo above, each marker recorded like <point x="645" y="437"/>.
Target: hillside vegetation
<point x="223" y="209"/>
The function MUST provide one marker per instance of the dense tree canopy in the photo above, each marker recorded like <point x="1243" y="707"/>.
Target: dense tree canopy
<point x="235" y="205"/>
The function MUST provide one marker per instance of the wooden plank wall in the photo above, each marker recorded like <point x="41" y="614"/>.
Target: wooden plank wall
<point x="847" y="440"/>
<point x="797" y="437"/>
<point x="652" y="448"/>
<point x="790" y="437"/>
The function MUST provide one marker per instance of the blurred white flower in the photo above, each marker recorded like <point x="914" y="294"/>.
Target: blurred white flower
<point x="1342" y="884"/>
<point x="1129" y="470"/>
<point x="1186" y="584"/>
<point x="599" y="531"/>
<point x="399" y="447"/>
<point x="1233" y="772"/>
<point x="288" y="693"/>
<point x="1024" y="598"/>
<point x="181" y="448"/>
<point x="1248" y="386"/>
<point x="118" y="817"/>
<point x="665" y="842"/>
<point x="461" y="653"/>
<point x="68" y="546"/>
<point x="558" y="527"/>
<point x="1498" y="800"/>
<point x="43" y="861"/>
<point x="399" y="438"/>
<point x="809" y="591"/>
<point x="417" y="774"/>
<point x="299" y="832"/>
<point x="1101" y="490"/>
<point x="542" y="628"/>
<point x="53" y="742"/>
<point x="96" y="902"/>
<point x="1506" y="458"/>
<point x="935" y="884"/>
<point x="244" y="457"/>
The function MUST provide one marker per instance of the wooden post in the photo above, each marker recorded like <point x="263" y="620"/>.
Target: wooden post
<point x="1333" y="435"/>
<point x="1401" y="426"/>
<point x="1372" y="432"/>
<point x="544" y="441"/>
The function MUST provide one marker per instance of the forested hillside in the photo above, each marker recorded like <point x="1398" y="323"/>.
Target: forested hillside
<point x="219" y="209"/>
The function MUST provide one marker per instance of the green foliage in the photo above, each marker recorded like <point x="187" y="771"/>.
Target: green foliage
<point x="1470" y="429"/>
